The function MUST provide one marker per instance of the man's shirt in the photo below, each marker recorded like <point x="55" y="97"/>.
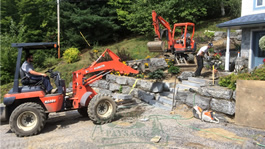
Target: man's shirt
<point x="203" y="49"/>
<point x="27" y="67"/>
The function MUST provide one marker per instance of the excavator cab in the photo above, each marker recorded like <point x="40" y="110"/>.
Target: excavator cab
<point x="183" y="41"/>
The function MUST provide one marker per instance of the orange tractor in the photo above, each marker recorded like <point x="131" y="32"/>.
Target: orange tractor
<point x="181" y="46"/>
<point x="27" y="106"/>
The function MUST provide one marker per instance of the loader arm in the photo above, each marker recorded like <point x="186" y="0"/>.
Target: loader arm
<point x="81" y="85"/>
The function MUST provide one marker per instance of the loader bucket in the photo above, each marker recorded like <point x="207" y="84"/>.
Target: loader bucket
<point x="156" y="46"/>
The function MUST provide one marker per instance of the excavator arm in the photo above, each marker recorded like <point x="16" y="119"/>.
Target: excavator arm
<point x="158" y="19"/>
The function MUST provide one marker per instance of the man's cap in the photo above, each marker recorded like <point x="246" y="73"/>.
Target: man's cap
<point x="210" y="44"/>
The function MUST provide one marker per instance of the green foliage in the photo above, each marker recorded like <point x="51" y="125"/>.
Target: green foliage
<point x="157" y="74"/>
<point x="262" y="43"/>
<point x="50" y="61"/>
<point x="173" y="70"/>
<point x="141" y="75"/>
<point x="8" y="54"/>
<point x="230" y="80"/>
<point x="71" y="55"/>
<point x="124" y="55"/>
<point x="209" y="34"/>
<point x="120" y="89"/>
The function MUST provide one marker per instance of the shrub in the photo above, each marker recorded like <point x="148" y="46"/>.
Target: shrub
<point x="158" y="74"/>
<point x="124" y="55"/>
<point x="262" y="43"/>
<point x="50" y="61"/>
<point x="173" y="70"/>
<point x="230" y="80"/>
<point x="209" y="34"/>
<point x="71" y="55"/>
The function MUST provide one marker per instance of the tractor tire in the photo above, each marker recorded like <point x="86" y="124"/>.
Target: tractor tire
<point x="83" y="111"/>
<point x="102" y="109"/>
<point x="27" y="119"/>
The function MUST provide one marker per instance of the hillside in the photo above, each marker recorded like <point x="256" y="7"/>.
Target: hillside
<point x="135" y="46"/>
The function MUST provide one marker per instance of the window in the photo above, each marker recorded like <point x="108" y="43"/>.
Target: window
<point x="260" y="3"/>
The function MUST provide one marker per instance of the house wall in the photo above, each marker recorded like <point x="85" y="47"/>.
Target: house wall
<point x="249" y="7"/>
<point x="245" y="42"/>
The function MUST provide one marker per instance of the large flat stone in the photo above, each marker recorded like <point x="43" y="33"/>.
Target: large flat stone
<point x="126" y="89"/>
<point x="114" y="87"/>
<point x="94" y="84"/>
<point x="145" y="96"/>
<point x="185" y="75"/>
<point x="157" y="63"/>
<point x="145" y="85"/>
<point x="131" y="81"/>
<point x="216" y="92"/>
<point x="157" y="87"/>
<point x="224" y="106"/>
<point x="250" y="103"/>
<point x="103" y="84"/>
<point x="111" y="78"/>
<point x="168" y="85"/>
<point x="196" y="99"/>
<point x="122" y="96"/>
<point x="104" y="91"/>
<point x="122" y="80"/>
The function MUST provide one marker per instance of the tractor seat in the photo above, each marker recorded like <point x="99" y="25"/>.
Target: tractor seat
<point x="25" y="80"/>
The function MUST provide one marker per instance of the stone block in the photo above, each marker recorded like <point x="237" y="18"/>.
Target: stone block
<point x="168" y="85"/>
<point x="131" y="81"/>
<point x="238" y="32"/>
<point x="239" y="37"/>
<point x="167" y="94"/>
<point x="234" y="95"/>
<point x="216" y="92"/>
<point x="94" y="84"/>
<point x="157" y="63"/>
<point x="185" y="75"/>
<point x="203" y="102"/>
<point x="126" y="89"/>
<point x="157" y="87"/>
<point x="224" y="106"/>
<point x="217" y="38"/>
<point x="164" y="100"/>
<point x="122" y="96"/>
<point x="103" y="84"/>
<point x="122" y="80"/>
<point x="111" y="78"/>
<point x="114" y="87"/>
<point x="104" y="91"/>
<point x="145" y="85"/>
<point x="220" y="34"/>
<point x="181" y="96"/>
<point x="145" y="96"/>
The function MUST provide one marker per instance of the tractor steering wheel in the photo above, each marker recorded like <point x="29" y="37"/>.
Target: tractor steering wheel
<point x="50" y="70"/>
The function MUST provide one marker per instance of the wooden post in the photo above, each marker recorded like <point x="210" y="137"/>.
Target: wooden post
<point x="58" y="22"/>
<point x="213" y="75"/>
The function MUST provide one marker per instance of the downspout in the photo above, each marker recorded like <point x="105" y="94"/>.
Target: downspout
<point x="227" y="54"/>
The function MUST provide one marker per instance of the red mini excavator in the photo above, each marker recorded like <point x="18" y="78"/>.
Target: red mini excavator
<point x="182" y="46"/>
<point x="27" y="106"/>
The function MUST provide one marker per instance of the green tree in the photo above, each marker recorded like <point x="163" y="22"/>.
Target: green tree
<point x="9" y="54"/>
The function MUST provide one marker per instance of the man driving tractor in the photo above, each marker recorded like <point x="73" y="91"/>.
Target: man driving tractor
<point x="28" y="69"/>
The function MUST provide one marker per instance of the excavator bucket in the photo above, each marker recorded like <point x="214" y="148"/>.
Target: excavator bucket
<point x="156" y="46"/>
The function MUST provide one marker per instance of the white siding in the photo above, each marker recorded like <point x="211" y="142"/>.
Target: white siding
<point x="249" y="9"/>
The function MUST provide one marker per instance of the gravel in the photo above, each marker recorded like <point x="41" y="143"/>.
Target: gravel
<point x="70" y="130"/>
